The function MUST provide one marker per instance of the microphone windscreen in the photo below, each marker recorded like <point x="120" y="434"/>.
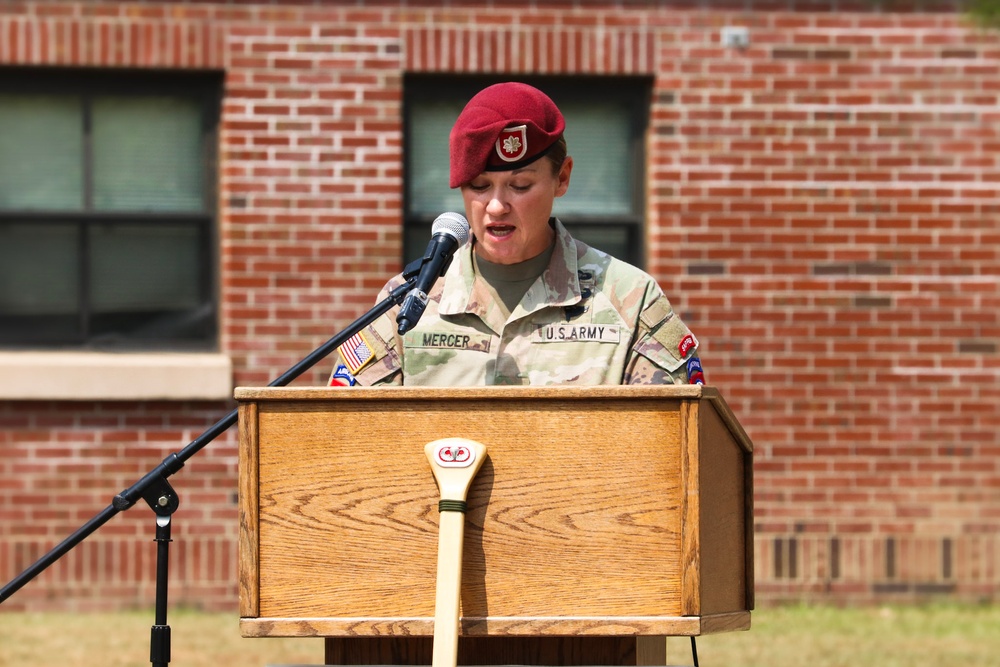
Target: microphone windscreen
<point x="453" y="224"/>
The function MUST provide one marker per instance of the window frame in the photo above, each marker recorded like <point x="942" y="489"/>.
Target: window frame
<point x="203" y="86"/>
<point x="635" y="90"/>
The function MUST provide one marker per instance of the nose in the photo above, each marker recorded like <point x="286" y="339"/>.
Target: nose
<point x="495" y="206"/>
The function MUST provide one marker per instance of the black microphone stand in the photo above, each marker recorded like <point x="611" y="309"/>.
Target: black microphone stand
<point x="163" y="500"/>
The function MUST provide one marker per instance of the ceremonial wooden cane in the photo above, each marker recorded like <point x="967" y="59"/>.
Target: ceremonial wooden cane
<point x="455" y="462"/>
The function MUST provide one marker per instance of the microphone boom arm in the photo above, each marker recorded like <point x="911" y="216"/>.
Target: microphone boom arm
<point x="175" y="461"/>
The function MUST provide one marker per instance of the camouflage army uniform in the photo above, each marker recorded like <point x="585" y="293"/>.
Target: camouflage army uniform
<point x="589" y="319"/>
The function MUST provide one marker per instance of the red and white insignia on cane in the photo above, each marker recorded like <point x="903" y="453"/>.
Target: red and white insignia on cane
<point x="356" y="352"/>
<point x="512" y="144"/>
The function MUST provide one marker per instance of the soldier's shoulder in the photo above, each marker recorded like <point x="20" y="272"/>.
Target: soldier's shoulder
<point x="627" y="287"/>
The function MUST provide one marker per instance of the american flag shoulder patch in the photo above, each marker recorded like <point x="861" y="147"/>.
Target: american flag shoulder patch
<point x="356" y="352"/>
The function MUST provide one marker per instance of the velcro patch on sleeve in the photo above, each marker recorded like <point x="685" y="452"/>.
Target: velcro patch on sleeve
<point x="656" y="313"/>
<point x="676" y="338"/>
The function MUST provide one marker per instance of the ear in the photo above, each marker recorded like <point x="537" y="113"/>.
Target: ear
<point x="562" y="180"/>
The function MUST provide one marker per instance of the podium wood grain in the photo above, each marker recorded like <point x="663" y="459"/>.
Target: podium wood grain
<point x="609" y="511"/>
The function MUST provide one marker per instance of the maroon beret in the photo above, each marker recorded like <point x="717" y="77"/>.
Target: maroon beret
<point x="505" y="126"/>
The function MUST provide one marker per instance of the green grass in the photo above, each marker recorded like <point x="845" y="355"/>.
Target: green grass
<point x="896" y="636"/>
<point x="888" y="636"/>
<point x="122" y="640"/>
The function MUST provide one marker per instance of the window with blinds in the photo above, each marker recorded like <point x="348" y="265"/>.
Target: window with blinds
<point x="606" y="120"/>
<point x="107" y="209"/>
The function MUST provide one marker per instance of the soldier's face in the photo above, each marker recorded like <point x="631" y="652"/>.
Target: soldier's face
<point x="509" y="211"/>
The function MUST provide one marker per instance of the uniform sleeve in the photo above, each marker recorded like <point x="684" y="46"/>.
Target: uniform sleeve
<point x="665" y="350"/>
<point x="370" y="357"/>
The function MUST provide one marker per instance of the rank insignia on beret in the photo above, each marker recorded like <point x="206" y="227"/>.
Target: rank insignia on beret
<point x="512" y="144"/>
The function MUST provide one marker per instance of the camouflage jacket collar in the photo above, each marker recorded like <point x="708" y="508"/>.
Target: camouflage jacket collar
<point x="558" y="286"/>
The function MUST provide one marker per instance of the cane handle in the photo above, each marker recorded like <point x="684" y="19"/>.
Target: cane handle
<point x="454" y="462"/>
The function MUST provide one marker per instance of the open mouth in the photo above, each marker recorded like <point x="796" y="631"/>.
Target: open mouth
<point x="500" y="231"/>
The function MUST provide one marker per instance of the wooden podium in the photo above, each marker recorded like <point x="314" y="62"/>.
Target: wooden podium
<point x="602" y="516"/>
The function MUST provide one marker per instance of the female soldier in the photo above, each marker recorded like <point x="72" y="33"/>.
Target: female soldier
<point x="523" y="302"/>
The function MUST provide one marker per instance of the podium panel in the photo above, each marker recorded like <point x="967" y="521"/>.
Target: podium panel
<point x="610" y="511"/>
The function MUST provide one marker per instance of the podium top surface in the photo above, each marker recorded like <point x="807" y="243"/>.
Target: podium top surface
<point x="475" y="393"/>
<point x="486" y="394"/>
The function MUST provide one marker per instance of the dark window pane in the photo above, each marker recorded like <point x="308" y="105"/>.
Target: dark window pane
<point x="41" y="152"/>
<point x="39" y="265"/>
<point x="147" y="154"/>
<point x="415" y="238"/>
<point x="599" y="138"/>
<point x="120" y="329"/>
<point x="106" y="213"/>
<point x="145" y="283"/>
<point x="428" y="159"/>
<point x="144" y="267"/>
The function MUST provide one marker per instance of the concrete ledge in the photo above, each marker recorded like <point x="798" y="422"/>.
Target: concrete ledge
<point x="93" y="376"/>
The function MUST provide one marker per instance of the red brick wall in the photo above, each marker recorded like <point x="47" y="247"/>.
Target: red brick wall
<point x="822" y="206"/>
<point x="63" y="463"/>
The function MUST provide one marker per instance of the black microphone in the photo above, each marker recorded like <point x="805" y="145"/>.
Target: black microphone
<point x="449" y="232"/>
